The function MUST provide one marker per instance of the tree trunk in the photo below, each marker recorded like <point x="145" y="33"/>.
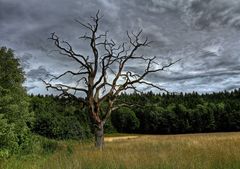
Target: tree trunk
<point x="99" y="136"/>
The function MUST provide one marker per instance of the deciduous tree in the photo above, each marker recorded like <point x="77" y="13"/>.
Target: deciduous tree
<point x="15" y="117"/>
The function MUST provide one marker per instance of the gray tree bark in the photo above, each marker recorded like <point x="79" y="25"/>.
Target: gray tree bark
<point x="99" y="136"/>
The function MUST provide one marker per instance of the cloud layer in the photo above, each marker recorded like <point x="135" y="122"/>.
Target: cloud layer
<point x="204" y="33"/>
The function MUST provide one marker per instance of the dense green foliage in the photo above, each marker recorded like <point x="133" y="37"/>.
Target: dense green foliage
<point x="186" y="113"/>
<point x="15" y="118"/>
<point x="151" y="113"/>
<point x="125" y="120"/>
<point x="60" y="118"/>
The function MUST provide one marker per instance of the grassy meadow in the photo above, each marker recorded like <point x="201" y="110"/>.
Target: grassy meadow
<point x="191" y="151"/>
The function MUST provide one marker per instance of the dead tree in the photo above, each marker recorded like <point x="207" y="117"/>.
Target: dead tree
<point x="103" y="76"/>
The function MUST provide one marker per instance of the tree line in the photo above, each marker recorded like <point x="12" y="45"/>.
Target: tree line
<point x="147" y="113"/>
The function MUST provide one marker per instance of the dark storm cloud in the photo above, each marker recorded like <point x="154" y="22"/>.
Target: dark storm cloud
<point x="39" y="73"/>
<point x="204" y="33"/>
<point x="212" y="13"/>
<point x="208" y="76"/>
<point x="25" y="60"/>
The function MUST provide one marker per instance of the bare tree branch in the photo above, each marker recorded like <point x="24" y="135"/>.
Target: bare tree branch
<point x="105" y="74"/>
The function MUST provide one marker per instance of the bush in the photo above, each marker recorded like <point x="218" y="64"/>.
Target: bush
<point x="8" y="138"/>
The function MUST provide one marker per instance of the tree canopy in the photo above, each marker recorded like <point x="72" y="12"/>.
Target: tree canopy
<point x="15" y="117"/>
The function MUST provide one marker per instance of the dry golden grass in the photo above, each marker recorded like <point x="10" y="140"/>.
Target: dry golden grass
<point x="192" y="151"/>
<point x="120" y="138"/>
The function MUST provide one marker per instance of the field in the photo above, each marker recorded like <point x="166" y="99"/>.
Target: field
<point x="192" y="151"/>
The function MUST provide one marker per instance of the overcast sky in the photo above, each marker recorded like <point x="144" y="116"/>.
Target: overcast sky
<point x="203" y="33"/>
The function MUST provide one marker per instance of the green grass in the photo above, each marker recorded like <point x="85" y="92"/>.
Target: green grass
<point x="192" y="151"/>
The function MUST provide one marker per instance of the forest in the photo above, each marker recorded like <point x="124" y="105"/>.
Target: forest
<point x="26" y="119"/>
<point x="148" y="113"/>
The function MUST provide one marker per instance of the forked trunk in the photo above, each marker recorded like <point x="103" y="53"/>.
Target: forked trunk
<point x="99" y="136"/>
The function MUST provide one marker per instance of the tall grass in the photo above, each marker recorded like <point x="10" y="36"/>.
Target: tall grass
<point x="193" y="151"/>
